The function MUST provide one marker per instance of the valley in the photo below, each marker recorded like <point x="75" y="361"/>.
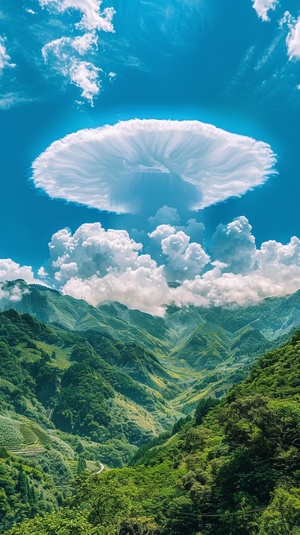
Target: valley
<point x="83" y="387"/>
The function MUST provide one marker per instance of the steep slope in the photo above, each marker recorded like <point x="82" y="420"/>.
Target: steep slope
<point x="233" y="469"/>
<point x="273" y="317"/>
<point x="207" y="350"/>
<point x="139" y="364"/>
<point x="52" y="375"/>
<point x="49" y="306"/>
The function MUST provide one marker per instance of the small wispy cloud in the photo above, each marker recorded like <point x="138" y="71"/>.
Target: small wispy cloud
<point x="68" y="55"/>
<point x="92" y="16"/>
<point x="262" y="7"/>
<point x="293" y="39"/>
<point x="5" y="59"/>
<point x="8" y="100"/>
<point x="65" y="56"/>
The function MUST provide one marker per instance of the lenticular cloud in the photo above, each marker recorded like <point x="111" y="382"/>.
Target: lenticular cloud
<point x="119" y="168"/>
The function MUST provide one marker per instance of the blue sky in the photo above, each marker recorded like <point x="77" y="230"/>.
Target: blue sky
<point x="233" y="64"/>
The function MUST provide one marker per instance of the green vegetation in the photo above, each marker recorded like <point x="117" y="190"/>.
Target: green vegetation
<point x="233" y="469"/>
<point x="195" y="350"/>
<point x="64" y="408"/>
<point x="104" y="391"/>
<point x="54" y="376"/>
<point x="26" y="490"/>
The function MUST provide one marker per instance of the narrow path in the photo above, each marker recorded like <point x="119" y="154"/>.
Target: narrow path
<point x="101" y="469"/>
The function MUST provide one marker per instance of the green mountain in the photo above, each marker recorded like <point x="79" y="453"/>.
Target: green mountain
<point x="67" y="400"/>
<point x="273" y="318"/>
<point x="232" y="469"/>
<point x="53" y="374"/>
<point x="206" y="350"/>
<point x="81" y="385"/>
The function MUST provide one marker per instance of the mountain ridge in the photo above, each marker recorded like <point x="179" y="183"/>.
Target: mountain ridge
<point x="192" y="343"/>
<point x="233" y="468"/>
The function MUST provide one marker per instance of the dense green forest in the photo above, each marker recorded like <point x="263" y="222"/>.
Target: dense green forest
<point x="64" y="408"/>
<point x="153" y="399"/>
<point x="205" y="350"/>
<point x="232" y="468"/>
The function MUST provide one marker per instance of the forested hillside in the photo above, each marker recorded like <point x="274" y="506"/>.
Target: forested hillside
<point x="72" y="399"/>
<point x="64" y="407"/>
<point x="206" y="349"/>
<point x="232" y="469"/>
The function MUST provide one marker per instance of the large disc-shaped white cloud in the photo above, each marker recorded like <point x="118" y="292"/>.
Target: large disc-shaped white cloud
<point x="108" y="167"/>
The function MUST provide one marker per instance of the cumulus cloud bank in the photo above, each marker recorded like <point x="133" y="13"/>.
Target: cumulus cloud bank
<point x="101" y="265"/>
<point x="262" y="7"/>
<point x="108" y="167"/>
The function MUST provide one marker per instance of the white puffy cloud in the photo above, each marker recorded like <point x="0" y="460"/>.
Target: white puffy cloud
<point x="195" y="230"/>
<point x="165" y="215"/>
<point x="273" y="271"/>
<point x="280" y="262"/>
<point x="234" y="245"/>
<point x="169" y="217"/>
<point x="219" y="289"/>
<point x="94" y="251"/>
<point x="4" y="57"/>
<point x="262" y="7"/>
<point x="293" y="39"/>
<point x="10" y="270"/>
<point x="106" y="167"/>
<point x="99" y="265"/>
<point x="92" y="16"/>
<point x="65" y="56"/>
<point x="161" y="232"/>
<point x="13" y="294"/>
<point x="239" y="275"/>
<point x="143" y="288"/>
<point x="184" y="260"/>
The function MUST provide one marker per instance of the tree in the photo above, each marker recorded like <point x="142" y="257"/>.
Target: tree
<point x="81" y="465"/>
<point x="203" y="408"/>
<point x="282" y="517"/>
